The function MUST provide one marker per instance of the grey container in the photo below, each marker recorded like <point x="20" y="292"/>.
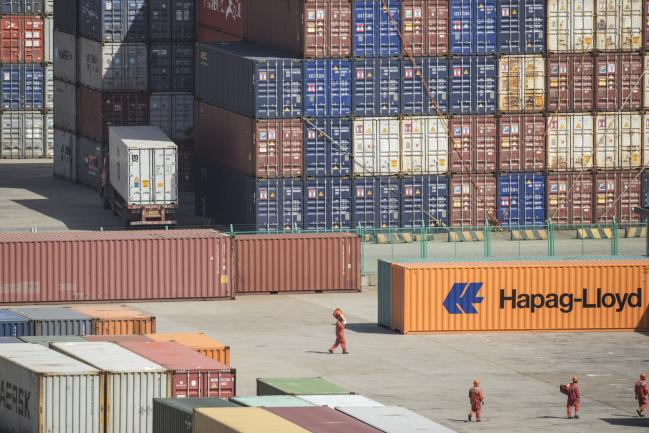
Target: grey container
<point x="112" y="66"/>
<point x="171" y="67"/>
<point x="58" y="321"/>
<point x="173" y="113"/>
<point x="46" y="340"/>
<point x="90" y="161"/>
<point x="65" y="155"/>
<point x="65" y="57"/>
<point x="26" y="134"/>
<point x="66" y="97"/>
<point x="48" y="43"/>
<point x="14" y="325"/>
<point x="10" y="340"/>
<point x="394" y="419"/>
<point x="176" y="415"/>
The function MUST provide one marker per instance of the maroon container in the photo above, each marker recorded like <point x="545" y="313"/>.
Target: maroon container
<point x="424" y="26"/>
<point x="192" y="374"/>
<point x="98" y="111"/>
<point x="256" y="147"/>
<point x="570" y="198"/>
<point x="223" y="16"/>
<point x="118" y="338"/>
<point x="322" y="419"/>
<point x="297" y="263"/>
<point x="570" y="82"/>
<point x="21" y="39"/>
<point x="111" y="266"/>
<point x="522" y="143"/>
<point x="619" y="82"/>
<point x="473" y="200"/>
<point x="473" y="144"/>
<point x="616" y="195"/>
<point x="206" y="34"/>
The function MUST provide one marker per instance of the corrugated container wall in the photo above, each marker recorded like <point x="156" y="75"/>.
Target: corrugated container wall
<point x="474" y="144"/>
<point x="424" y="145"/>
<point x="377" y="146"/>
<point x="616" y="195"/>
<point x="474" y="83"/>
<point x="15" y="325"/>
<point x="172" y="20"/>
<point x="23" y="39"/>
<point x="473" y="199"/>
<point x="473" y="27"/>
<point x="173" y="113"/>
<point x="521" y="26"/>
<point x="322" y="418"/>
<point x="376" y="89"/>
<point x="376" y="28"/>
<point x="327" y="88"/>
<point x="618" y="141"/>
<point x="118" y="320"/>
<point x="241" y="420"/>
<point x="327" y="147"/>
<point x="195" y="264"/>
<point x="570" y="141"/>
<point x="228" y="18"/>
<point x="570" y="198"/>
<point x="114" y="22"/>
<point x="424" y="27"/>
<point x="198" y="342"/>
<point x="26" y="134"/>
<point x="424" y="86"/>
<point x="66" y="100"/>
<point x="113" y="66"/>
<point x="521" y="84"/>
<point x="521" y="199"/>
<point x="521" y="144"/>
<point x="327" y="204"/>
<point x="57" y="321"/>
<point x="570" y="82"/>
<point x="176" y="415"/>
<point x="424" y="201"/>
<point x="27" y="7"/>
<point x="65" y="57"/>
<point x="171" y="67"/>
<point x="571" y="26"/>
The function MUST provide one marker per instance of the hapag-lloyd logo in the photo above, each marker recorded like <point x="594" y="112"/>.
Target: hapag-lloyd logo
<point x="232" y="9"/>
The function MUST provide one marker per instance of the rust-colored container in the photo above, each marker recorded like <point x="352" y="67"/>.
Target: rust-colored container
<point x="21" y="39"/>
<point x="322" y="419"/>
<point x="265" y="148"/>
<point x="570" y="82"/>
<point x="501" y="295"/>
<point x="473" y="199"/>
<point x="521" y="143"/>
<point x="619" y="82"/>
<point x="424" y="26"/>
<point x="206" y="34"/>
<point x="616" y="195"/>
<point x="118" y="319"/>
<point x="198" y="342"/>
<point x="474" y="144"/>
<point x="111" y="266"/>
<point x="570" y="198"/>
<point x="223" y="16"/>
<point x="297" y="263"/>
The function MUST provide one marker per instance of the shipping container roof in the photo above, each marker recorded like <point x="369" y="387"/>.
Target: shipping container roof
<point x="8" y="340"/>
<point x="520" y="261"/>
<point x="116" y="338"/>
<point x="40" y="359"/>
<point x="109" y="357"/>
<point x="189" y="404"/>
<point x="249" y="420"/>
<point x="51" y="313"/>
<point x="45" y="340"/>
<point x="394" y="419"/>
<point x="304" y="385"/>
<point x="322" y="419"/>
<point x="271" y="401"/>
<point x="334" y="401"/>
<point x="109" y="235"/>
<point x="10" y="316"/>
<point x="173" y="356"/>
<point x="110" y="312"/>
<point x="295" y="236"/>
<point x="195" y="340"/>
<point x="142" y="137"/>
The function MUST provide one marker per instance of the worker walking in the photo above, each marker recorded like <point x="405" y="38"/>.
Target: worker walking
<point x="340" y="332"/>
<point x="641" y="392"/>
<point x="574" y="395"/>
<point x="476" y="398"/>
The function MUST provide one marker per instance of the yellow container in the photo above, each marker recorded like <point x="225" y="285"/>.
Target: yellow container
<point x="241" y="420"/>
<point x="117" y="319"/>
<point x="198" y="342"/>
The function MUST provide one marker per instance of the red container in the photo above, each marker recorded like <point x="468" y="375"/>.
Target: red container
<point x="112" y="266"/>
<point x="616" y="195"/>
<point x="473" y="144"/>
<point x="118" y="338"/>
<point x="21" y="39"/>
<point x="206" y="34"/>
<point x="473" y="200"/>
<point x="265" y="148"/>
<point x="570" y="198"/>
<point x="570" y="82"/>
<point x="223" y="16"/>
<point x="297" y="263"/>
<point x="322" y="419"/>
<point x="192" y="374"/>
<point x="522" y="143"/>
<point x="619" y="82"/>
<point x="424" y="26"/>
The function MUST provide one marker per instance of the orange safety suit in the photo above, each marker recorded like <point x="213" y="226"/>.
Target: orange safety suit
<point x="641" y="392"/>
<point x="476" y="397"/>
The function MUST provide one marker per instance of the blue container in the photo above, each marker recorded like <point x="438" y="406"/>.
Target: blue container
<point x="292" y="203"/>
<point x="66" y="16"/>
<point x="521" y="26"/>
<point x="10" y="340"/>
<point x="327" y="203"/>
<point x="113" y="21"/>
<point x="415" y="98"/>
<point x="424" y="201"/>
<point x="474" y="84"/>
<point x="25" y="7"/>
<point x="365" y="202"/>
<point x="375" y="34"/>
<point x="327" y="147"/>
<point x="521" y="199"/>
<point x="473" y="26"/>
<point x="249" y="80"/>
<point x="171" y="67"/>
<point x="389" y="202"/>
<point x="172" y="20"/>
<point x="645" y="189"/>
<point x="377" y="87"/>
<point x="14" y="325"/>
<point x="58" y="321"/>
<point x="327" y="88"/>
<point x="23" y="87"/>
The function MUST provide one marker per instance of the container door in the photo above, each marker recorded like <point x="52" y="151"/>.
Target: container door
<point x="365" y="203"/>
<point x="436" y="199"/>
<point x="339" y="87"/>
<point x="365" y="147"/>
<point x="292" y="204"/>
<point x="414" y="212"/>
<point x="315" y="207"/>
<point x="166" y="176"/>
<point x="435" y="145"/>
<point x="339" y="192"/>
<point x="339" y="147"/>
<point x="267" y="203"/>
<point x="139" y="176"/>
<point x="316" y="138"/>
<point x="389" y="150"/>
<point x="389" y="202"/>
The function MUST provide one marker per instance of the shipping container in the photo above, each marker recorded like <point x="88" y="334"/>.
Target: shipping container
<point x="15" y="325"/>
<point x="130" y="383"/>
<point x="241" y="420"/>
<point x="22" y="38"/>
<point x="57" y="321"/>
<point x="48" y="45"/>
<point x="271" y="401"/>
<point x="264" y="148"/>
<point x="645" y="189"/>
<point x="377" y="146"/>
<point x="172" y="20"/>
<point x="46" y="340"/>
<point x="322" y="419"/>
<point x="10" y="340"/>
<point x="118" y="319"/>
<point x="424" y="86"/>
<point x="171" y="67"/>
<point x="616" y="195"/>
<point x="27" y="7"/>
<point x="474" y="82"/>
<point x="473" y="200"/>
<point x="521" y="143"/>
<point x="66" y="99"/>
<point x="570" y="82"/>
<point x="228" y="18"/>
<point x="473" y="27"/>
<point x="114" y="21"/>
<point x="618" y="25"/>
<point x="173" y="113"/>
<point x="66" y="15"/>
<point x="65" y="155"/>
<point x="26" y="134"/>
<point x="328" y="147"/>
<point x="521" y="84"/>
<point x="175" y="264"/>
<point x="43" y="379"/>
<point x="336" y="401"/>
<point x="376" y="28"/>
<point x="327" y="88"/>
<point x="618" y="141"/>
<point x="176" y="415"/>
<point x="571" y="26"/>
<point x="394" y="419"/>
<point x="116" y="338"/>
<point x="206" y="34"/>
<point x="521" y="26"/>
<point x="424" y="145"/>
<point x="474" y="144"/>
<point x="619" y="82"/>
<point x="570" y="198"/>
<point x="26" y="87"/>
<point x="550" y="294"/>
<point x="298" y="386"/>
<point x="570" y="142"/>
<point x="327" y="203"/>
<point x="90" y="162"/>
<point x="424" y="201"/>
<point x="198" y="342"/>
<point x="521" y="199"/>
<point x="65" y="57"/>
<point x="190" y="374"/>
<point x="113" y="66"/>
<point x="297" y="263"/>
<point x="389" y="202"/>
<point x="249" y="80"/>
<point x="376" y="87"/>
<point x="364" y="202"/>
<point x="645" y="75"/>
<point x="186" y="167"/>
<point x="424" y="27"/>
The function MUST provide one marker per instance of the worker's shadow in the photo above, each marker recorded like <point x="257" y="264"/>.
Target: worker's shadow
<point x="368" y="328"/>
<point x="317" y="352"/>
<point x="628" y="422"/>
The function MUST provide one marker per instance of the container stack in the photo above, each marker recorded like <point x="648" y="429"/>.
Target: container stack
<point x="26" y="128"/>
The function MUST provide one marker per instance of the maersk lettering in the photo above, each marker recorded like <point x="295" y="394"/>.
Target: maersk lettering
<point x="15" y="399"/>
<point x="566" y="302"/>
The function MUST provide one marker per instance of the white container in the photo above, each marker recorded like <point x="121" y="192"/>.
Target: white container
<point x="112" y="66"/>
<point x="334" y="401"/>
<point x="48" y="44"/>
<point x="131" y="382"/>
<point x="65" y="155"/>
<point x="26" y="134"/>
<point x="143" y="165"/>
<point x="619" y="25"/>
<point x="521" y="84"/>
<point x="571" y="25"/>
<point x="424" y="145"/>
<point x="65" y="56"/>
<point x="377" y="146"/>
<point x="646" y="81"/>
<point x="66" y="100"/>
<point x="394" y="419"/>
<point x="618" y="141"/>
<point x="45" y="391"/>
<point x="570" y="141"/>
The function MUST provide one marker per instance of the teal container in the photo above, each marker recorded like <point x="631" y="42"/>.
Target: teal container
<point x="298" y="386"/>
<point x="176" y="415"/>
<point x="384" y="286"/>
<point x="271" y="401"/>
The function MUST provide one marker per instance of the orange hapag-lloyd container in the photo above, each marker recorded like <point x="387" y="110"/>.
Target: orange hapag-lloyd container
<point x="198" y="342"/>
<point x="118" y="319"/>
<point x="536" y="295"/>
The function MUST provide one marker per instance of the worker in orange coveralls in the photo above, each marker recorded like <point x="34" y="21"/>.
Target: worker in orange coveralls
<point x="476" y="397"/>
<point x="573" y="393"/>
<point x="641" y="392"/>
<point x="340" y="332"/>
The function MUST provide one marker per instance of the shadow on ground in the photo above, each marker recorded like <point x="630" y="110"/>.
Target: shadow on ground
<point x="627" y="422"/>
<point x="368" y="328"/>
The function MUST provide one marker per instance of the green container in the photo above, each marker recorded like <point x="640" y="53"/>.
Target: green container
<point x="271" y="401"/>
<point x="298" y="386"/>
<point x="384" y="285"/>
<point x="45" y="340"/>
<point x="176" y="415"/>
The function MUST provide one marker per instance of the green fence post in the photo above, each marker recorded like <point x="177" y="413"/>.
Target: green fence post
<point x="487" y="240"/>
<point x="232" y="230"/>
<point x="550" y="239"/>
<point x="614" y="239"/>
